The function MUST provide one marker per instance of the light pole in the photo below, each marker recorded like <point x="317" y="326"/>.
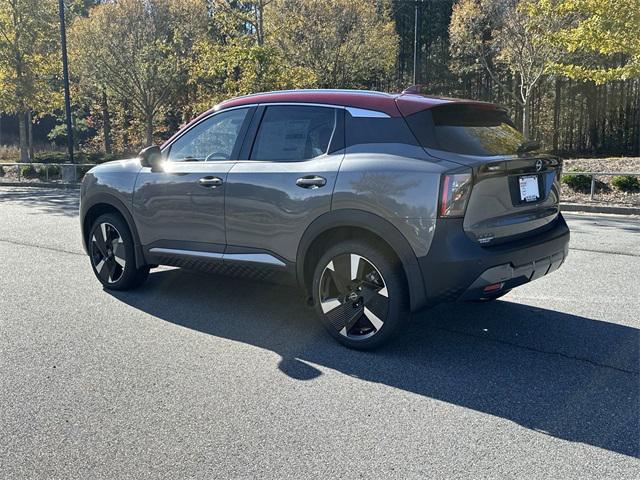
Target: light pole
<point x="65" y="77"/>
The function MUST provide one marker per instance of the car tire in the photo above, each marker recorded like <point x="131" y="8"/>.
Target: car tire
<point x="360" y="294"/>
<point x="112" y="254"/>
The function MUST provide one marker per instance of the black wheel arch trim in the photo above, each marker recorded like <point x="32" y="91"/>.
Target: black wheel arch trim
<point x="378" y="226"/>
<point x="112" y="201"/>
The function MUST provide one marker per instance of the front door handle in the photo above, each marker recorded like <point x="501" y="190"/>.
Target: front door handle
<point x="210" y="182"/>
<point x="311" y="181"/>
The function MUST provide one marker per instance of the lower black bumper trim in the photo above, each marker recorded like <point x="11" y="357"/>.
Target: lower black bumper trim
<point x="457" y="268"/>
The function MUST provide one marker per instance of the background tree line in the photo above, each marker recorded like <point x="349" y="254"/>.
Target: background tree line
<point x="569" y="70"/>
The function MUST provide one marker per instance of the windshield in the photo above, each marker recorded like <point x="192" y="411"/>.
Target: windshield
<point x="466" y="129"/>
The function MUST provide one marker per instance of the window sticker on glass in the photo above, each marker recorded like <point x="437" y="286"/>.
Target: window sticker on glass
<point x="287" y="138"/>
<point x="293" y="133"/>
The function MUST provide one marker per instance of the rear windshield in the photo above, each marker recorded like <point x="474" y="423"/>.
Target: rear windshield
<point x="466" y="129"/>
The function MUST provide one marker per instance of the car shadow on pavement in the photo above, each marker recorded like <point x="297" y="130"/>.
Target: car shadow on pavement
<point x="567" y="376"/>
<point x="56" y="201"/>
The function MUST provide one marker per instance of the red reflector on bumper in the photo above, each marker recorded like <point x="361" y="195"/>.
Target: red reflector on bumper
<point x="493" y="287"/>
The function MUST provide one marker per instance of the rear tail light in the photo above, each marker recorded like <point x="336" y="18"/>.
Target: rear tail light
<point x="454" y="194"/>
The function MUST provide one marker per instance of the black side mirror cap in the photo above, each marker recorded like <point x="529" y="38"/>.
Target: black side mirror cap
<point x="151" y="157"/>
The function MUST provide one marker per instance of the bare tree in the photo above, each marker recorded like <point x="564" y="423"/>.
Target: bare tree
<point x="138" y="50"/>
<point x="508" y="35"/>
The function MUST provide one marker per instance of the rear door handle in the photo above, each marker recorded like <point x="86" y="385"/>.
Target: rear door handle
<point x="311" y="181"/>
<point x="210" y="182"/>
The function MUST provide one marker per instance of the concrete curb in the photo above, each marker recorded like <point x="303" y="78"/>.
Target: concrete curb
<point x="39" y="184"/>
<point x="589" y="208"/>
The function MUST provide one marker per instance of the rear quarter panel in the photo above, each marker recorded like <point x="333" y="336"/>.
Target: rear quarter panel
<point x="402" y="190"/>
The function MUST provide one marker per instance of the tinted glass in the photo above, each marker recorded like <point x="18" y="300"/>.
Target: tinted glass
<point x="212" y="139"/>
<point x="466" y="129"/>
<point x="292" y="133"/>
<point x="364" y="130"/>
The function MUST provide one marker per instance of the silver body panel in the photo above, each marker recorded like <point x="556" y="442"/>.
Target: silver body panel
<point x="251" y="213"/>
<point x="266" y="209"/>
<point x="173" y="206"/>
<point x="403" y="191"/>
<point x="493" y="212"/>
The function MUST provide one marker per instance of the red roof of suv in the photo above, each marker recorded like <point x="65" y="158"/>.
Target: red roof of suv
<point x="393" y="104"/>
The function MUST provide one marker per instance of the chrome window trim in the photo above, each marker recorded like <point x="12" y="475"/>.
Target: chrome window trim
<point x="353" y="111"/>
<point x="366" y="113"/>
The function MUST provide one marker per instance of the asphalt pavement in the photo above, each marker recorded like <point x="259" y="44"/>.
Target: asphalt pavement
<point x="196" y="376"/>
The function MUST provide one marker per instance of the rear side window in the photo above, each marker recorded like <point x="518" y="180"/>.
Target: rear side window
<point x="371" y="130"/>
<point x="294" y="133"/>
<point x="466" y="129"/>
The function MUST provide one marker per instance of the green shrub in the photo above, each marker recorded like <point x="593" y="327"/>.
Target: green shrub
<point x="100" y="157"/>
<point x="9" y="153"/>
<point x="82" y="171"/>
<point x="108" y="157"/>
<point x="80" y="157"/>
<point x="51" y="157"/>
<point x="578" y="183"/>
<point x="626" y="183"/>
<point x="52" y="170"/>
<point x="28" y="171"/>
<point x="1" y="171"/>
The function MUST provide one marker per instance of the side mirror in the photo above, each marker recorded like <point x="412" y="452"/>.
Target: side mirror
<point x="151" y="157"/>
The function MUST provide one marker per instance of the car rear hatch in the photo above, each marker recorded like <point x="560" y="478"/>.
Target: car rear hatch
<point x="515" y="193"/>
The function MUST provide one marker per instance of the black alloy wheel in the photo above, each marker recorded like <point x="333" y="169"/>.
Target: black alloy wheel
<point x="361" y="295"/>
<point x="107" y="253"/>
<point x="112" y="254"/>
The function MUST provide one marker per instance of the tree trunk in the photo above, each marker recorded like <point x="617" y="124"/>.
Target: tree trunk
<point x="556" y="113"/>
<point x="572" y="113"/>
<point x="638" y="116"/>
<point x="106" y="123"/>
<point x="30" y="134"/>
<point x="526" y="107"/>
<point x="516" y="105"/>
<point x="22" y="130"/>
<point x="580" y="143"/>
<point x="260" y="23"/>
<point x="126" y="123"/>
<point x="148" y="123"/>
<point x="593" y="141"/>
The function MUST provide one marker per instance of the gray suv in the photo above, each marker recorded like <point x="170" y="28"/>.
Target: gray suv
<point x="375" y="205"/>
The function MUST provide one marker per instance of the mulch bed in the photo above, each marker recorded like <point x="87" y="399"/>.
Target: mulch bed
<point x="605" y="192"/>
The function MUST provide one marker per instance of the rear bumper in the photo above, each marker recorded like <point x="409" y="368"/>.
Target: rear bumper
<point x="457" y="268"/>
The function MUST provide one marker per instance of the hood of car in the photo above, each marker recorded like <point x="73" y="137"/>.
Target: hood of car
<point x="115" y="166"/>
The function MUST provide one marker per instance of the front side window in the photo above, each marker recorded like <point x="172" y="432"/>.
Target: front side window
<point x="211" y="139"/>
<point x="294" y="133"/>
<point x="466" y="129"/>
